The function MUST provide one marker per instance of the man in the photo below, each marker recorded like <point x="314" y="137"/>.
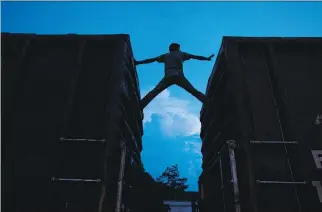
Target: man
<point x="173" y="62"/>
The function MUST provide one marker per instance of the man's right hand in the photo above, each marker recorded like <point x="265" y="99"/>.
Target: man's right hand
<point x="210" y="57"/>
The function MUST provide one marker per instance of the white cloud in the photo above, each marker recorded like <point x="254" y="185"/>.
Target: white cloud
<point x="194" y="167"/>
<point x="191" y="168"/>
<point x="177" y="118"/>
<point x="192" y="147"/>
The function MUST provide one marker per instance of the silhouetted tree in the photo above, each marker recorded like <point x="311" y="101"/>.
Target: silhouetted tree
<point x="156" y="191"/>
<point x="170" y="179"/>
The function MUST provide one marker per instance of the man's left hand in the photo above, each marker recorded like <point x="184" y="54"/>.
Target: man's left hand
<point x="210" y="57"/>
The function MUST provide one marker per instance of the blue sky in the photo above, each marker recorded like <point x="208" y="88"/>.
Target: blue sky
<point x="172" y="120"/>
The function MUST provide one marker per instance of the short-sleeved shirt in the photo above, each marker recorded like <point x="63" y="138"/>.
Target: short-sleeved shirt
<point x="173" y="62"/>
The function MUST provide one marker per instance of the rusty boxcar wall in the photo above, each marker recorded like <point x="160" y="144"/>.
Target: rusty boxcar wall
<point x="74" y="87"/>
<point x="269" y="90"/>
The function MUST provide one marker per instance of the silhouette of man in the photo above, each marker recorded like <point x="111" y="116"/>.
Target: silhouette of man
<point x="173" y="61"/>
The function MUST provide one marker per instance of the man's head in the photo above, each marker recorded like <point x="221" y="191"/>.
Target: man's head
<point x="174" y="47"/>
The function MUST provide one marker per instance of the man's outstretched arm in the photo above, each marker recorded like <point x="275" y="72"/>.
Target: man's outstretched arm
<point x="201" y="57"/>
<point x="151" y="60"/>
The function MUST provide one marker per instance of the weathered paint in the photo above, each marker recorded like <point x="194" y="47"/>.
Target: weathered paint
<point x="72" y="86"/>
<point x="265" y="89"/>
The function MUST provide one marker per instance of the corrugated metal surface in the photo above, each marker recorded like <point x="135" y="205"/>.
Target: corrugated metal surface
<point x="68" y="86"/>
<point x="267" y="89"/>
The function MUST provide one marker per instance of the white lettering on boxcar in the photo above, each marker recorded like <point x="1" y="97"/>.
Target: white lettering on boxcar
<point x="318" y="119"/>
<point x="317" y="156"/>
<point x="318" y="186"/>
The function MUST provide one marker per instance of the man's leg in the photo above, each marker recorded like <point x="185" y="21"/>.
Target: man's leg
<point x="163" y="84"/>
<point x="185" y="84"/>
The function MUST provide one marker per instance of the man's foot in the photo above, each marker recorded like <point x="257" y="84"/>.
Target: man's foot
<point x="142" y="105"/>
<point x="142" y="115"/>
<point x="207" y="102"/>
